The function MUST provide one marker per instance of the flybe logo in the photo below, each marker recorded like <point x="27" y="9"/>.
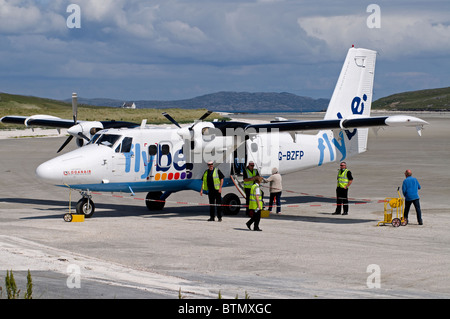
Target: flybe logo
<point x="357" y="107"/>
<point x="168" y="166"/>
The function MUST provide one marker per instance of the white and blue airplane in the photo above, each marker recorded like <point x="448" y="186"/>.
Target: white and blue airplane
<point x="131" y="158"/>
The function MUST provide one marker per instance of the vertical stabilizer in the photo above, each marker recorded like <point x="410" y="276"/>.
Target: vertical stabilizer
<point x="352" y="95"/>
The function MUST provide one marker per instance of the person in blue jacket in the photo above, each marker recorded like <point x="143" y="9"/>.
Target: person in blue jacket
<point x="410" y="189"/>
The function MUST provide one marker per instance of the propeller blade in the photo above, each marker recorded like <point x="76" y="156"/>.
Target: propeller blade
<point x="80" y="134"/>
<point x="204" y="116"/>
<point x="170" y="118"/>
<point x="74" y="107"/>
<point x="65" y="143"/>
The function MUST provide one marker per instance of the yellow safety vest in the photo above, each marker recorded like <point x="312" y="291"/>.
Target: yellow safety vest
<point x="215" y="179"/>
<point x="252" y="203"/>
<point x="342" y="179"/>
<point x="250" y="175"/>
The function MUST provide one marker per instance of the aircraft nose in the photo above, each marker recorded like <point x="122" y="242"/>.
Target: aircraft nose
<point x="47" y="173"/>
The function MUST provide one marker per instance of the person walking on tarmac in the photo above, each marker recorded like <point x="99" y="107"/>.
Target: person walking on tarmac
<point x="344" y="180"/>
<point x="256" y="204"/>
<point x="250" y="172"/>
<point x="212" y="183"/>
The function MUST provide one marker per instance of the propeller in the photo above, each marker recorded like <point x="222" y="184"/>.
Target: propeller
<point x="171" y="119"/>
<point x="74" y="112"/>
<point x="187" y="131"/>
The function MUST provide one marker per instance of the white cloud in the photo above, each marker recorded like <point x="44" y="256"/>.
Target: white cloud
<point x="399" y="35"/>
<point x="26" y="17"/>
<point x="210" y="44"/>
<point x="184" y="33"/>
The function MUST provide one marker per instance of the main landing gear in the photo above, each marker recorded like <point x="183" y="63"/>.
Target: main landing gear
<point x="231" y="204"/>
<point x="156" y="201"/>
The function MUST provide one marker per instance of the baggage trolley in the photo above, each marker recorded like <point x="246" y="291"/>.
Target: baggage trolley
<point x="394" y="206"/>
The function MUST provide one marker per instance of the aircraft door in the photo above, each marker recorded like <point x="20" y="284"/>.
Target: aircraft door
<point x="122" y="157"/>
<point x="152" y="154"/>
<point x="263" y="150"/>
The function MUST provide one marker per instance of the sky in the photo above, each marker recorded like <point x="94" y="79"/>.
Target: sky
<point x="179" y="49"/>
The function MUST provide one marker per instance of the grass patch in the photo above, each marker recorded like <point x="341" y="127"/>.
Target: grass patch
<point x="28" y="105"/>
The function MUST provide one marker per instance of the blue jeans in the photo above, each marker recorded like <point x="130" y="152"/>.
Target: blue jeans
<point x="277" y="197"/>
<point x="416" y="206"/>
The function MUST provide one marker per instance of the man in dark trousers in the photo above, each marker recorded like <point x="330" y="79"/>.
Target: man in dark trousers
<point x="344" y="180"/>
<point x="410" y="188"/>
<point x="250" y="172"/>
<point x="212" y="183"/>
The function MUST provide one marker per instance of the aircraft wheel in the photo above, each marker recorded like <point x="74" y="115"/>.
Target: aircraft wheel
<point x="396" y="222"/>
<point x="152" y="201"/>
<point x="68" y="217"/>
<point x="85" y="206"/>
<point x="232" y="204"/>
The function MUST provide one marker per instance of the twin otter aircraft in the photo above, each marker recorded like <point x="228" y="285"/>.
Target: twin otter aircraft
<point x="127" y="157"/>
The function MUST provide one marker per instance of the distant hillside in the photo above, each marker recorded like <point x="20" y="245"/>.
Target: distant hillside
<point x="231" y="102"/>
<point x="11" y="104"/>
<point x="423" y="100"/>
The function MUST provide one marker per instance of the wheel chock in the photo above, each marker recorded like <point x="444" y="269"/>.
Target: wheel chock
<point x="74" y="218"/>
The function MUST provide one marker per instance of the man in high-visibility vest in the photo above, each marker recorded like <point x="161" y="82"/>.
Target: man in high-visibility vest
<point x="344" y="180"/>
<point x="212" y="183"/>
<point x="250" y="172"/>
<point x="256" y="204"/>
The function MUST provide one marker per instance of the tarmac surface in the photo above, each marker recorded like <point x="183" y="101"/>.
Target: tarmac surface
<point x="126" y="251"/>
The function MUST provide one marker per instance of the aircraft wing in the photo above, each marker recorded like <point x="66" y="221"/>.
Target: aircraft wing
<point x="56" y="122"/>
<point x="359" y="122"/>
<point x="38" y="120"/>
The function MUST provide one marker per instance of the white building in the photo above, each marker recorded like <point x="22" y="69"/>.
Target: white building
<point x="129" y="105"/>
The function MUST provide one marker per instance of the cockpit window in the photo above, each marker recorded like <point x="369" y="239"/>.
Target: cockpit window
<point x="125" y="146"/>
<point x="94" y="139"/>
<point x="105" y="139"/>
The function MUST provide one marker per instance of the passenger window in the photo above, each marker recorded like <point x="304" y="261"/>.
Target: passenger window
<point x="152" y="150"/>
<point x="165" y="149"/>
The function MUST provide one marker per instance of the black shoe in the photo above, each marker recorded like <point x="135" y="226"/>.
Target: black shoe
<point x="219" y="220"/>
<point x="336" y="213"/>
<point x="420" y="223"/>
<point x="248" y="225"/>
<point x="257" y="229"/>
<point x="211" y="219"/>
<point x="344" y="213"/>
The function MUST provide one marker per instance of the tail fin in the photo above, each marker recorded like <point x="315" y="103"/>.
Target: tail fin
<point x="352" y="96"/>
<point x="353" y="92"/>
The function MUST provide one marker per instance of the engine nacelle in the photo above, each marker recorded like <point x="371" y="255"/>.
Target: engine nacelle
<point x="84" y="131"/>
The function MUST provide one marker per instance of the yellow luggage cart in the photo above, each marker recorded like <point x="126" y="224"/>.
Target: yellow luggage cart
<point x="394" y="205"/>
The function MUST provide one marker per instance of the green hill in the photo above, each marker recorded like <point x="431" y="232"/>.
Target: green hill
<point x="28" y="105"/>
<point x="423" y="100"/>
<point x="236" y="102"/>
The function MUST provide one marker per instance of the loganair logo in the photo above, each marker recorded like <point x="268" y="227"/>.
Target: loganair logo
<point x="357" y="107"/>
<point x="167" y="166"/>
